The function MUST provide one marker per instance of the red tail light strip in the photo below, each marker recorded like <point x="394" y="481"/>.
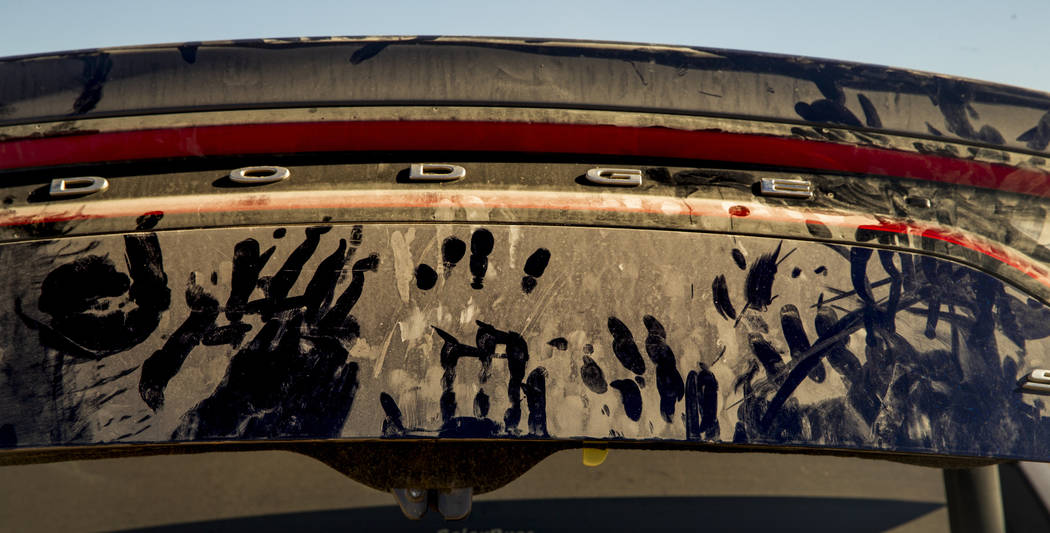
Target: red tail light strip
<point x="520" y="137"/>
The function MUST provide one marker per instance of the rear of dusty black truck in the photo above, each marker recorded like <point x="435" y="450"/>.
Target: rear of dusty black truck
<point x="432" y="262"/>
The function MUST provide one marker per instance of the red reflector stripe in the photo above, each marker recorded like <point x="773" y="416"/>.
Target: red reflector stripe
<point x="44" y="213"/>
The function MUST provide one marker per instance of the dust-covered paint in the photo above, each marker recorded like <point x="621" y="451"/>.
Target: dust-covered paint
<point x="308" y="336"/>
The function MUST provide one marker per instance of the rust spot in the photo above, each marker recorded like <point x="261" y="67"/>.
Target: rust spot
<point x="739" y="211"/>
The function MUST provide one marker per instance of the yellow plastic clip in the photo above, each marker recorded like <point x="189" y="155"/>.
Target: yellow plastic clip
<point x="592" y="455"/>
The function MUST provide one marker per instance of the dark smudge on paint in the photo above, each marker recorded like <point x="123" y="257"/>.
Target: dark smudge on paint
<point x="630" y="396"/>
<point x="535" y="265"/>
<point x="481" y="243"/>
<point x="426" y="277"/>
<point x="592" y="376"/>
<point x="738" y="258"/>
<point x="516" y="355"/>
<point x="720" y="297"/>
<point x="624" y="347"/>
<point x="668" y="379"/>
<point x="452" y="251"/>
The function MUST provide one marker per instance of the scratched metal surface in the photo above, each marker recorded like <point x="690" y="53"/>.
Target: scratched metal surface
<point x="502" y="331"/>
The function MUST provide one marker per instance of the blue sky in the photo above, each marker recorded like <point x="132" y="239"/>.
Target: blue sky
<point x="1006" y="41"/>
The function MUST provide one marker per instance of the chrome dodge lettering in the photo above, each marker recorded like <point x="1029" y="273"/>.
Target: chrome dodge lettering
<point x="1037" y="381"/>
<point x="621" y="177"/>
<point x="436" y="172"/>
<point x="786" y="188"/>
<point x="259" y="175"/>
<point x="64" y="187"/>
